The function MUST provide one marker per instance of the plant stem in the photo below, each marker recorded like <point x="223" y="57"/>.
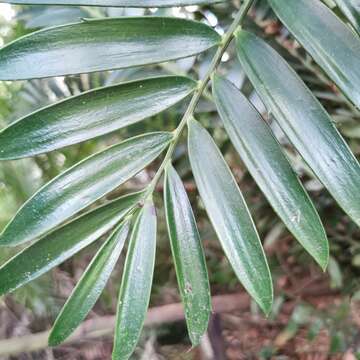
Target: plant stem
<point x="240" y="16"/>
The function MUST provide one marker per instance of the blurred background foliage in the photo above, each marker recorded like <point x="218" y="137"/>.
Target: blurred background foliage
<point x="315" y="315"/>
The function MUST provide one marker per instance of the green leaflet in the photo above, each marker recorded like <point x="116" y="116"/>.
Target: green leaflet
<point x="263" y="156"/>
<point x="188" y="256"/>
<point x="91" y="114"/>
<point x="118" y="3"/>
<point x="82" y="185"/>
<point x="230" y="216"/>
<point x="90" y="286"/>
<point x="136" y="283"/>
<point x="328" y="40"/>
<point x="351" y="9"/>
<point x="303" y="120"/>
<point x="95" y="45"/>
<point x="63" y="243"/>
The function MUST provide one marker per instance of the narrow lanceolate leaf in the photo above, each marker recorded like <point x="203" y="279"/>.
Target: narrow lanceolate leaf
<point x="118" y="3"/>
<point x="136" y="283"/>
<point x="60" y="245"/>
<point x="188" y="256"/>
<point x="230" y="216"/>
<point x="351" y="9"/>
<point x="95" y="45"/>
<point x="90" y="286"/>
<point x="82" y="185"/>
<point x="332" y="44"/>
<point x="304" y="121"/>
<point x="263" y="156"/>
<point x="91" y="114"/>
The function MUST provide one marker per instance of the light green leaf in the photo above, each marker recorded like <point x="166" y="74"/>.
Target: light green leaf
<point x="63" y="243"/>
<point x="335" y="274"/>
<point x="263" y="156"/>
<point x="328" y="40"/>
<point x="136" y="283"/>
<point x="91" y="114"/>
<point x="188" y="256"/>
<point x="351" y="9"/>
<point x="230" y="216"/>
<point x="82" y="185"/>
<point x="90" y="286"/>
<point x="118" y="3"/>
<point x="95" y="45"/>
<point x="303" y="120"/>
<point x="51" y="16"/>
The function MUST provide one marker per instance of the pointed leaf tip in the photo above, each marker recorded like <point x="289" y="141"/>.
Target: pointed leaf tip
<point x="91" y="114"/>
<point x="61" y="244"/>
<point x="229" y="215"/>
<point x="82" y="185"/>
<point x="104" y="44"/>
<point x="89" y="287"/>
<point x="136" y="283"/>
<point x="304" y="120"/>
<point x="188" y="255"/>
<point x="265" y="160"/>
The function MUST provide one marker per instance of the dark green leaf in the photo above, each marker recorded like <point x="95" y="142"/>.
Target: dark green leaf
<point x="118" y="3"/>
<point x="263" y="156"/>
<point x="95" y="45"/>
<point x="136" y="283"/>
<point x="351" y="9"/>
<point x="303" y="120"/>
<point x="230" y="216"/>
<point x="91" y="114"/>
<point x="188" y="256"/>
<point x="61" y="244"/>
<point x="90" y="286"/>
<point x="328" y="40"/>
<point x="82" y="185"/>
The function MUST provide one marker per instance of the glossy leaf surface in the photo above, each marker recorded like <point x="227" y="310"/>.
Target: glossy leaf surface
<point x="95" y="45"/>
<point x="229" y="215"/>
<point x="90" y="286"/>
<point x="351" y="9"/>
<point x="82" y="185"/>
<point x="53" y="16"/>
<point x="188" y="256"/>
<point x="304" y="121"/>
<point x="91" y="114"/>
<point x="117" y="3"/>
<point x="63" y="243"/>
<point x="262" y="155"/>
<point x="136" y="283"/>
<point x="328" y="40"/>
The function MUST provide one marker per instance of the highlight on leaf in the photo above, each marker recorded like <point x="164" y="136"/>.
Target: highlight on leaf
<point x="119" y="3"/>
<point x="105" y="44"/>
<point x="229" y="216"/>
<point x="61" y="244"/>
<point x="261" y="153"/>
<point x="327" y="39"/>
<point x="351" y="10"/>
<point x="90" y="286"/>
<point x="70" y="104"/>
<point x="303" y="119"/>
<point x="188" y="256"/>
<point x="81" y="186"/>
<point x="136" y="283"/>
<point x="91" y="114"/>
